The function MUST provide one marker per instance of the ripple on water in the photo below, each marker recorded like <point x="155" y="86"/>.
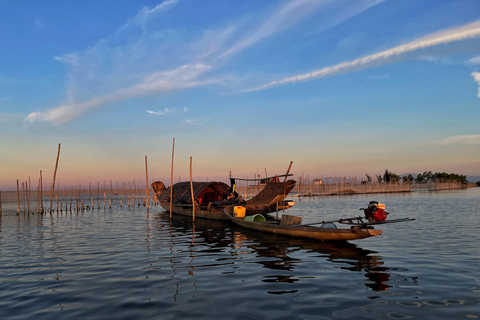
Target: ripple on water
<point x="123" y="264"/>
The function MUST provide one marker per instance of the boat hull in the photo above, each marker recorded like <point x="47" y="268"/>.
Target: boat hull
<point x="213" y="214"/>
<point x="309" y="232"/>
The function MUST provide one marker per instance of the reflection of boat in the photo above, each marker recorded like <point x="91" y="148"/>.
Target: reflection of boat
<point x="348" y="255"/>
<point x="327" y="232"/>
<point x="212" y="197"/>
<point x="215" y="239"/>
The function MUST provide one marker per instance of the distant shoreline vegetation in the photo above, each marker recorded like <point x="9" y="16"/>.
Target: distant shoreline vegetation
<point x="426" y="177"/>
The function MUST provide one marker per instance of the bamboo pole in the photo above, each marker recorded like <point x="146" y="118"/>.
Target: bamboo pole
<point x="18" y="198"/>
<point x="146" y="181"/>
<point x="98" y="196"/>
<point x="123" y="194"/>
<point x="171" y="178"/>
<point x="38" y="196"/>
<point x="41" y="191"/>
<point x="23" y="196"/>
<point x="28" y="196"/>
<point x="54" y="176"/>
<point x="0" y="202"/>
<point x="191" y="190"/>
<point x="286" y="176"/>
<point x="134" y="192"/>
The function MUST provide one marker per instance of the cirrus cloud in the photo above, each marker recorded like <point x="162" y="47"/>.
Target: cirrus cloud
<point x="392" y="55"/>
<point x="461" y="140"/>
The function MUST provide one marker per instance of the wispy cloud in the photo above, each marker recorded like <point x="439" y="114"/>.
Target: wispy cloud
<point x="141" y="59"/>
<point x="145" y="14"/>
<point x="474" y="60"/>
<point x="165" y="111"/>
<point x="159" y="113"/>
<point x="182" y="77"/>
<point x="476" y="77"/>
<point x="197" y="121"/>
<point x="461" y="140"/>
<point x="395" y="54"/>
<point x="289" y="14"/>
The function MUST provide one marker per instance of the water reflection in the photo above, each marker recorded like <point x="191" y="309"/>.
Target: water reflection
<point x="273" y="252"/>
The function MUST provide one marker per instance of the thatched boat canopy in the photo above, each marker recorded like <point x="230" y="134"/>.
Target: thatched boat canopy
<point x="203" y="192"/>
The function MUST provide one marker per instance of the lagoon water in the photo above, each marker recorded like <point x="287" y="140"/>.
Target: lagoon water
<point x="125" y="263"/>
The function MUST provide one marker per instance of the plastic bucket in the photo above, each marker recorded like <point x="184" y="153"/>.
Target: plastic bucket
<point x="239" y="212"/>
<point x="255" y="218"/>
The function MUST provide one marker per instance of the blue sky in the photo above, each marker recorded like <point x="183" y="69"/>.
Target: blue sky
<point x="339" y="87"/>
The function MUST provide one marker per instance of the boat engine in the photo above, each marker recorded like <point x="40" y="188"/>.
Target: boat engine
<point x="375" y="211"/>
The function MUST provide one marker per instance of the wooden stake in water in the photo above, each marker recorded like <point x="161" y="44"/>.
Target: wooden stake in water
<point x="0" y="202"/>
<point x="28" y="196"/>
<point x="123" y="194"/>
<point x="54" y="176"/>
<point x="22" y="195"/>
<point x="98" y="196"/>
<point x="41" y="191"/>
<point x="18" y="198"/>
<point x="146" y="180"/>
<point x="171" y="178"/>
<point x="191" y="190"/>
<point x="38" y="196"/>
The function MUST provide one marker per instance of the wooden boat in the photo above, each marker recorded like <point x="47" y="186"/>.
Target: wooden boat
<point x="212" y="197"/>
<point x="271" y="198"/>
<point x="290" y="226"/>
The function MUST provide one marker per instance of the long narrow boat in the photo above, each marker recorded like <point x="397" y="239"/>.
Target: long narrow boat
<point x="211" y="198"/>
<point x="324" y="233"/>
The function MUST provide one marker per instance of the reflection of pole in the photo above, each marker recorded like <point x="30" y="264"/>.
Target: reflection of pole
<point x="191" y="190"/>
<point x="171" y="178"/>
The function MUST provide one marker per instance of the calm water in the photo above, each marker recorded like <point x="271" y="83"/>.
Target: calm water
<point x="125" y="264"/>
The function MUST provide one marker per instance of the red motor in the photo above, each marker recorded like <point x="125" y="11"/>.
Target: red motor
<point x="375" y="211"/>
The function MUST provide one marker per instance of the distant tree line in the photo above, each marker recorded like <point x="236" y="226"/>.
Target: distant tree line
<point x="426" y="177"/>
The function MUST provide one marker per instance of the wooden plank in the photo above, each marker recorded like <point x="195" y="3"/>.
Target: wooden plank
<point x="288" y="220"/>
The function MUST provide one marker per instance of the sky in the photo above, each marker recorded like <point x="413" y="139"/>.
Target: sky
<point x="339" y="87"/>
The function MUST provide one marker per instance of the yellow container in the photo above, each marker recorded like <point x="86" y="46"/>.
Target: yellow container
<point x="381" y="206"/>
<point x="239" y="212"/>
